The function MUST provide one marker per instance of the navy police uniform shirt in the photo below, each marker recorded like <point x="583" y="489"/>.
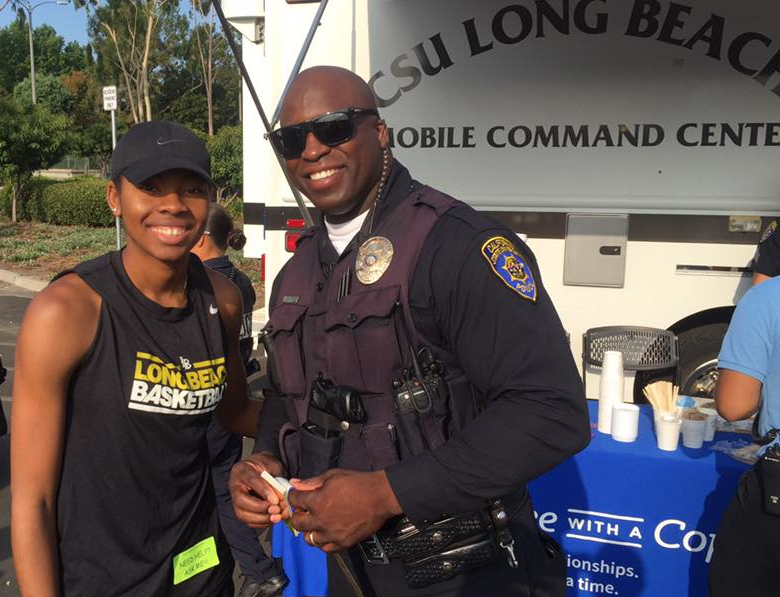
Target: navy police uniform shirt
<point x="766" y="261"/>
<point x="476" y="291"/>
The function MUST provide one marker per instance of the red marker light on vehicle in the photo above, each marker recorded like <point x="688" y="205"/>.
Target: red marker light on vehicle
<point x="290" y="240"/>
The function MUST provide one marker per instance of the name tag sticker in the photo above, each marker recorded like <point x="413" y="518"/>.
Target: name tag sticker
<point x="196" y="559"/>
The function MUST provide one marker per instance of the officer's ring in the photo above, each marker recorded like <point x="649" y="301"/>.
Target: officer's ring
<point x="312" y="541"/>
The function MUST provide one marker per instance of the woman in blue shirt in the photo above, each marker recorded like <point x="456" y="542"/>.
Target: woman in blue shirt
<point x="746" y="560"/>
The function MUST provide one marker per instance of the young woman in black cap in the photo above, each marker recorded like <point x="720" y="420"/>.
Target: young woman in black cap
<point x="120" y="363"/>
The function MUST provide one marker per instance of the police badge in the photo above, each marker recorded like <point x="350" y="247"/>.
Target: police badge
<point x="373" y="259"/>
<point x="769" y="231"/>
<point x="510" y="266"/>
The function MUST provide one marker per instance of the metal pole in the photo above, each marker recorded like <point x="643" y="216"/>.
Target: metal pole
<point x="32" y="54"/>
<point x="301" y="57"/>
<point x="237" y="55"/>
<point x="240" y="89"/>
<point x="113" y="146"/>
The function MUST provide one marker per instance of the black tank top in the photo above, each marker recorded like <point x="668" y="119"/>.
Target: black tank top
<point x="135" y="495"/>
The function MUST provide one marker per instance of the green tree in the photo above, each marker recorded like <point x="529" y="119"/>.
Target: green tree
<point x="92" y="128"/>
<point x="200" y="86"/>
<point x="52" y="55"/>
<point x="130" y="39"/>
<point x="226" y="159"/>
<point x="75" y="57"/>
<point x="15" y="64"/>
<point x="87" y="97"/>
<point x="94" y="141"/>
<point x="50" y="92"/>
<point x="33" y="138"/>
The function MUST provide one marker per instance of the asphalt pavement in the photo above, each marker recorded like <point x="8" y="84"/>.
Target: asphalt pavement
<point x="13" y="303"/>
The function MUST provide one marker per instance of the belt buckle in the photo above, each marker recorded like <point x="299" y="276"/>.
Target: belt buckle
<point x="373" y="552"/>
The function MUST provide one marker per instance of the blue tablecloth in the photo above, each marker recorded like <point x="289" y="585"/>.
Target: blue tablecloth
<point x="634" y="520"/>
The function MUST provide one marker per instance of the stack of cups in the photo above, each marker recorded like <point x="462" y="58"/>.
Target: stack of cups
<point x="610" y="388"/>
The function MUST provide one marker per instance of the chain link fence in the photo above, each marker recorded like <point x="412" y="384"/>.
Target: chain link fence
<point x="78" y="164"/>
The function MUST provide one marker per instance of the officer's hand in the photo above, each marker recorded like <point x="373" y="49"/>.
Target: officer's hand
<point x="255" y="502"/>
<point x="342" y="507"/>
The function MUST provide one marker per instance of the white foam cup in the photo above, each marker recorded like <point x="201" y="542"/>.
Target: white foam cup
<point x="667" y="429"/>
<point x="693" y="432"/>
<point x="712" y="419"/>
<point x="612" y="361"/>
<point x="625" y="422"/>
<point x="610" y="394"/>
<point x="657" y="414"/>
<point x="610" y="388"/>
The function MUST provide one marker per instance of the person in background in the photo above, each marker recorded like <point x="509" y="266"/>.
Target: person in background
<point x="261" y="576"/>
<point x="766" y="261"/>
<point x="420" y="372"/>
<point x="746" y="558"/>
<point x="120" y="364"/>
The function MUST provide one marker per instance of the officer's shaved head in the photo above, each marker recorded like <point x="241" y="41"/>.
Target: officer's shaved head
<point x="332" y="85"/>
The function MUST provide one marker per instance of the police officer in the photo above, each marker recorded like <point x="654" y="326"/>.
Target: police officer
<point x="766" y="261"/>
<point x="420" y="371"/>
<point x="261" y="576"/>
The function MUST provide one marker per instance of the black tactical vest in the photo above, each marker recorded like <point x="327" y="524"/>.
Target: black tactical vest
<point x="362" y="340"/>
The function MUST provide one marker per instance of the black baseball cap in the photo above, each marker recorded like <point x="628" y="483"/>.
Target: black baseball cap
<point x="149" y="148"/>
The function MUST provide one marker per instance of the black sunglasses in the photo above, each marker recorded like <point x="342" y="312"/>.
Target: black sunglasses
<point x="333" y="128"/>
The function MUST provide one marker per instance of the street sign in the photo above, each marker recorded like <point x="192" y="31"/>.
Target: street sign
<point x="109" y="98"/>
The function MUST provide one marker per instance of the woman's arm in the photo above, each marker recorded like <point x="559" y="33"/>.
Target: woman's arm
<point x="737" y="395"/>
<point x="56" y="333"/>
<point x="236" y="412"/>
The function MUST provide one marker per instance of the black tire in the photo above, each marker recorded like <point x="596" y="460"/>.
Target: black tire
<point x="699" y="348"/>
<point x="698" y="371"/>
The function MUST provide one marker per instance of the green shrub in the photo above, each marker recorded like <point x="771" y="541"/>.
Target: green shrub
<point x="77" y="202"/>
<point x="29" y="201"/>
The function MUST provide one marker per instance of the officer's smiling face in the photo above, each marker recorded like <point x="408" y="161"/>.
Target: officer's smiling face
<point x="340" y="181"/>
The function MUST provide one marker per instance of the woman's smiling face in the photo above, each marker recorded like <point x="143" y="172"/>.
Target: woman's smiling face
<point x="164" y="216"/>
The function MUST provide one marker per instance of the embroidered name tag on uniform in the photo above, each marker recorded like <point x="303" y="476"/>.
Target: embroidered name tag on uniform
<point x="768" y="231"/>
<point x="510" y="266"/>
<point x="196" y="559"/>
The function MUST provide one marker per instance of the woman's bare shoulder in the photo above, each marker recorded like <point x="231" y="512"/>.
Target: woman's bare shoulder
<point x="67" y="309"/>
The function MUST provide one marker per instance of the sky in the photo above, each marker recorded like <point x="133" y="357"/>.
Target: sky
<point x="70" y="23"/>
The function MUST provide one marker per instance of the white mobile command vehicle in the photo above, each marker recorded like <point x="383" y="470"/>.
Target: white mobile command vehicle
<point x="635" y="143"/>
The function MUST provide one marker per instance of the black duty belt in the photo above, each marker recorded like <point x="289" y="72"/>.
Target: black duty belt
<point x="447" y="547"/>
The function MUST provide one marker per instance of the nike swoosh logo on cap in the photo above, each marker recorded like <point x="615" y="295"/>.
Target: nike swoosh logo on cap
<point x="161" y="141"/>
<point x="213" y="310"/>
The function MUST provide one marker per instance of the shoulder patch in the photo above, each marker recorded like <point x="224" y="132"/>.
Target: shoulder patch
<point x="510" y="266"/>
<point x="769" y="231"/>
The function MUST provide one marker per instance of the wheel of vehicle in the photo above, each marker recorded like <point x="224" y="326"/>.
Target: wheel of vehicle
<point x="699" y="349"/>
<point x="698" y="367"/>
